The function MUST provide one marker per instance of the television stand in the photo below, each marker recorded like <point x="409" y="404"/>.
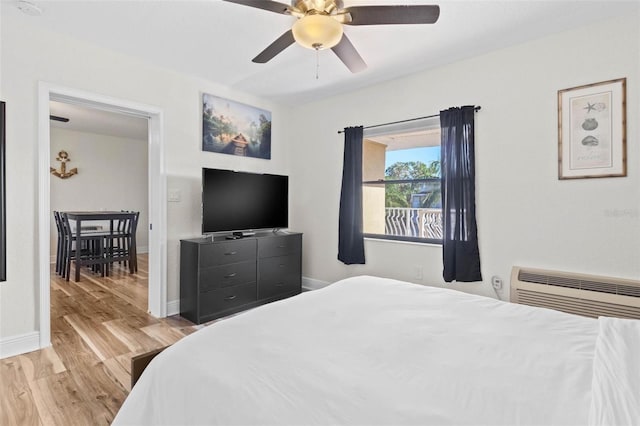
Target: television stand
<point x="220" y="276"/>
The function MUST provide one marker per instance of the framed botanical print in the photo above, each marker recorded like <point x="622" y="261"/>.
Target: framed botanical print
<point x="592" y="137"/>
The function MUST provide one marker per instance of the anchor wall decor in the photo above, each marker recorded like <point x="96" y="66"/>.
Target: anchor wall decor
<point x="63" y="157"/>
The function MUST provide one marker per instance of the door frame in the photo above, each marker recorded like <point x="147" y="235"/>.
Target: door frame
<point x="157" y="194"/>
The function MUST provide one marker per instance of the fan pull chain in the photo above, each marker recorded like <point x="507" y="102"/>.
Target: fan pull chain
<point x="317" y="63"/>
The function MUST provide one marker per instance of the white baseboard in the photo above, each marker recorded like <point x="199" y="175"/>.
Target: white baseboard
<point x="313" y="284"/>
<point x="17" y="345"/>
<point x="173" y="307"/>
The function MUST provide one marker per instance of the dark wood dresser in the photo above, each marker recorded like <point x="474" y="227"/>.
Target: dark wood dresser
<point x="219" y="277"/>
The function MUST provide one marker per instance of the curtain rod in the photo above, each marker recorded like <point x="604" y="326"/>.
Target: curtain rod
<point x="405" y="121"/>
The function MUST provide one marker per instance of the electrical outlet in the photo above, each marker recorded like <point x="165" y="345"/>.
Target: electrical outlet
<point x="496" y="282"/>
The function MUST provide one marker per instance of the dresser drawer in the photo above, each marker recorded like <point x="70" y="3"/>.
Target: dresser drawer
<point x="227" y="275"/>
<point x="227" y="252"/>
<point x="278" y="246"/>
<point x="279" y="275"/>
<point x="215" y="301"/>
<point x="219" y="277"/>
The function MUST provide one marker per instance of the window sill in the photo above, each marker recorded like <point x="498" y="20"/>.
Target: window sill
<point x="413" y="243"/>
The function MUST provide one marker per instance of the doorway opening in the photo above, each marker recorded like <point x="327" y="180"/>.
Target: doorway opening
<point x="156" y="190"/>
<point x="99" y="164"/>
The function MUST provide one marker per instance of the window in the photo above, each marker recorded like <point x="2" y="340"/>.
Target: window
<point x="401" y="182"/>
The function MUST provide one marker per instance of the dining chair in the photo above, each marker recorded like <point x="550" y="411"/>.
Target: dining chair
<point x="127" y="239"/>
<point x="132" y="240"/>
<point x="88" y="248"/>
<point x="60" y="245"/>
<point x="120" y="242"/>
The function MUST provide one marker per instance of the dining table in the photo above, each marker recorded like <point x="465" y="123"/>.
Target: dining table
<point x="105" y="216"/>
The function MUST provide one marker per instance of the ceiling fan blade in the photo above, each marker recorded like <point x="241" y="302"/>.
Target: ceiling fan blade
<point x="385" y="15"/>
<point x="272" y="6"/>
<point x="349" y="55"/>
<point x="57" y="118"/>
<point x="284" y="41"/>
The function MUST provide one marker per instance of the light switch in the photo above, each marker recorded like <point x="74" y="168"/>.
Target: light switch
<point x="173" y="195"/>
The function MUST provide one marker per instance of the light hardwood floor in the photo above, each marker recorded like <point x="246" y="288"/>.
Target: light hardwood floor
<point x="97" y="325"/>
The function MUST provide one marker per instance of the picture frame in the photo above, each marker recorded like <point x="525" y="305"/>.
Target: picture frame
<point x="234" y="128"/>
<point x="592" y="135"/>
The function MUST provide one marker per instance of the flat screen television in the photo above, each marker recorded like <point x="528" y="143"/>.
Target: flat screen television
<point x="240" y="201"/>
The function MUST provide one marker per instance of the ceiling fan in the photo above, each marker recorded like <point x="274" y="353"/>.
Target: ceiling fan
<point x="58" y="118"/>
<point x="319" y="25"/>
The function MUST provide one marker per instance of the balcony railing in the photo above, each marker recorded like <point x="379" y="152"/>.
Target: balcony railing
<point x="416" y="223"/>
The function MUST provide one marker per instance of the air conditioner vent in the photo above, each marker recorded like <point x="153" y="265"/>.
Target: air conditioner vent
<point x="531" y="277"/>
<point x="574" y="293"/>
<point x="600" y="286"/>
<point x="627" y="290"/>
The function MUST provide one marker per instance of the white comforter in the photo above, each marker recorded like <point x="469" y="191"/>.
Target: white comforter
<point x="616" y="374"/>
<point x="369" y="351"/>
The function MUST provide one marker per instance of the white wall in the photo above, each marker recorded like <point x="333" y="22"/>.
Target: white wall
<point x="30" y="55"/>
<point x="112" y="175"/>
<point x="526" y="216"/>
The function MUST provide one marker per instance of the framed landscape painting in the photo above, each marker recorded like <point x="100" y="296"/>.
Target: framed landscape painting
<point x="234" y="128"/>
<point x="592" y="135"/>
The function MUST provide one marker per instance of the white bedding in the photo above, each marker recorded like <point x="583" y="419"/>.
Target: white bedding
<point x="616" y="374"/>
<point x="368" y="351"/>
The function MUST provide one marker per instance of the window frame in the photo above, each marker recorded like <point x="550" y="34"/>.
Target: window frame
<point x="401" y="237"/>
<point x="398" y="128"/>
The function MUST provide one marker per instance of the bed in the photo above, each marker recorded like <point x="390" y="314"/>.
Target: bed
<point x="375" y="351"/>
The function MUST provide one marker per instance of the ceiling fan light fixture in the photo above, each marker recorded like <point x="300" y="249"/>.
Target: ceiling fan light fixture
<point x="317" y="32"/>
<point x="28" y="8"/>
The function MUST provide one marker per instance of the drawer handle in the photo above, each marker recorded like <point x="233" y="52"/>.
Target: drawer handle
<point x="230" y="253"/>
<point x="282" y="265"/>
<point x="282" y="246"/>
<point x="230" y="297"/>
<point x="280" y="284"/>
<point x="231" y="275"/>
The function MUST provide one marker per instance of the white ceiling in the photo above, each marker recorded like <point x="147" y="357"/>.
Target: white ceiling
<point x="93" y="120"/>
<point x="408" y="139"/>
<point x="216" y="40"/>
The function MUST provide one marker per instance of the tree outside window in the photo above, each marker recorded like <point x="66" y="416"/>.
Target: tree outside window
<point x="401" y="187"/>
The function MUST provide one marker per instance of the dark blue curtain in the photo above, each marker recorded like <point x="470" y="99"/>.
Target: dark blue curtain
<point x="461" y="256"/>
<point x="350" y="238"/>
